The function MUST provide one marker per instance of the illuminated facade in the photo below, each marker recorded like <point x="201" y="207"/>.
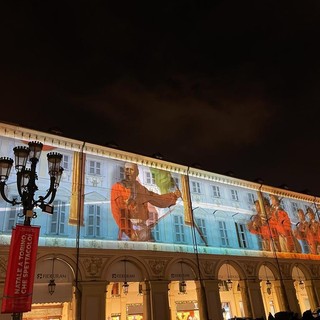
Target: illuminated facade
<point x="189" y="244"/>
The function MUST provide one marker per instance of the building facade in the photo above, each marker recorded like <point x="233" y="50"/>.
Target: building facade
<point x="133" y="237"/>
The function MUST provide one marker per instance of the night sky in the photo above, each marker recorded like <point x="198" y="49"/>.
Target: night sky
<point x="227" y="85"/>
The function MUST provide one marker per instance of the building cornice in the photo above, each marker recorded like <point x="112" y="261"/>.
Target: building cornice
<point x="21" y="133"/>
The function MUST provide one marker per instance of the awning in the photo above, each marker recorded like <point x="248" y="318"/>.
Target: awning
<point x="188" y="306"/>
<point x="135" y="309"/>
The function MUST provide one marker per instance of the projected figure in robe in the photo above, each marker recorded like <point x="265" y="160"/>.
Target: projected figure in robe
<point x="130" y="202"/>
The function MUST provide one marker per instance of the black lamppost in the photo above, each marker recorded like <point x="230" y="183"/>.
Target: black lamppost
<point x="26" y="182"/>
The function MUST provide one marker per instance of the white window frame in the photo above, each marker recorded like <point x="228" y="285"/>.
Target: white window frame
<point x="196" y="187"/>
<point x="223" y="233"/>
<point x="14" y="216"/>
<point x="94" y="167"/>
<point x="150" y="178"/>
<point x="65" y="163"/>
<point x="251" y="198"/>
<point x="241" y="234"/>
<point x="201" y="223"/>
<point x="59" y="218"/>
<point x="216" y="191"/>
<point x="156" y="232"/>
<point x="94" y="221"/>
<point x="179" y="229"/>
<point x="234" y="195"/>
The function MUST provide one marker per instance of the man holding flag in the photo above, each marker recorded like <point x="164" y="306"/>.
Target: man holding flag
<point x="129" y="205"/>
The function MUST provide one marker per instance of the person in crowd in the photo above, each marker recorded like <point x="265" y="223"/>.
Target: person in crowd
<point x="270" y="316"/>
<point x="130" y="202"/>
<point x="307" y="315"/>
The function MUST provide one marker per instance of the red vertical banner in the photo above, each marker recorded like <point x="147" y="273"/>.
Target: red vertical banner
<point x="17" y="296"/>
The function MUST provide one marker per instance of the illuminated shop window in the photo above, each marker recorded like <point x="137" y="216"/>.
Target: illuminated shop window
<point x="94" y="221"/>
<point x="115" y="292"/>
<point x="58" y="218"/>
<point x="226" y="310"/>
<point x="216" y="192"/>
<point x="234" y="195"/>
<point x="202" y="227"/>
<point x="179" y="229"/>
<point x="195" y="187"/>
<point x="242" y="236"/>
<point x="94" y="167"/>
<point x="223" y="234"/>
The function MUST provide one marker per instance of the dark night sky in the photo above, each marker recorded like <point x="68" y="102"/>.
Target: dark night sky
<point x="230" y="85"/>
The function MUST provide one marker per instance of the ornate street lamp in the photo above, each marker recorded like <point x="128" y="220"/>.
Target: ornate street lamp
<point x="301" y="282"/>
<point x="182" y="287"/>
<point x="268" y="282"/>
<point x="269" y="286"/>
<point x="182" y="283"/>
<point x="26" y="182"/>
<point x="52" y="284"/>
<point x="26" y="179"/>
<point x="229" y="282"/>
<point x="125" y="286"/>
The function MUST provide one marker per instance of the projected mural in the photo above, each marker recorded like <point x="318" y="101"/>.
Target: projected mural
<point x="114" y="203"/>
<point x="276" y="230"/>
<point x="132" y="204"/>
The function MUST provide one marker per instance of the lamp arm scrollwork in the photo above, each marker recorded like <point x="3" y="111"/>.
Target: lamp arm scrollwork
<point x="19" y="179"/>
<point x="3" y="195"/>
<point x="51" y="192"/>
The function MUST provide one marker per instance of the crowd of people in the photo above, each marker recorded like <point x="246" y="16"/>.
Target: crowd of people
<point x="273" y="224"/>
<point x="287" y="315"/>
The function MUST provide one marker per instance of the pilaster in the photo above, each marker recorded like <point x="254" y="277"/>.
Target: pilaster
<point x="290" y="292"/>
<point x="146" y="301"/>
<point x="93" y="300"/>
<point x="251" y="297"/>
<point x="316" y="287"/>
<point x="159" y="300"/>
<point x="209" y="301"/>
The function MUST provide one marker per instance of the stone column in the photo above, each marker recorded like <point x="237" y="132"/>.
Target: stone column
<point x="291" y="294"/>
<point x="310" y="289"/>
<point x="316" y="288"/>
<point x="159" y="300"/>
<point x="252" y="298"/>
<point x="146" y="301"/>
<point x="172" y="302"/>
<point x="93" y="300"/>
<point x="209" y="301"/>
<point x="279" y="291"/>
